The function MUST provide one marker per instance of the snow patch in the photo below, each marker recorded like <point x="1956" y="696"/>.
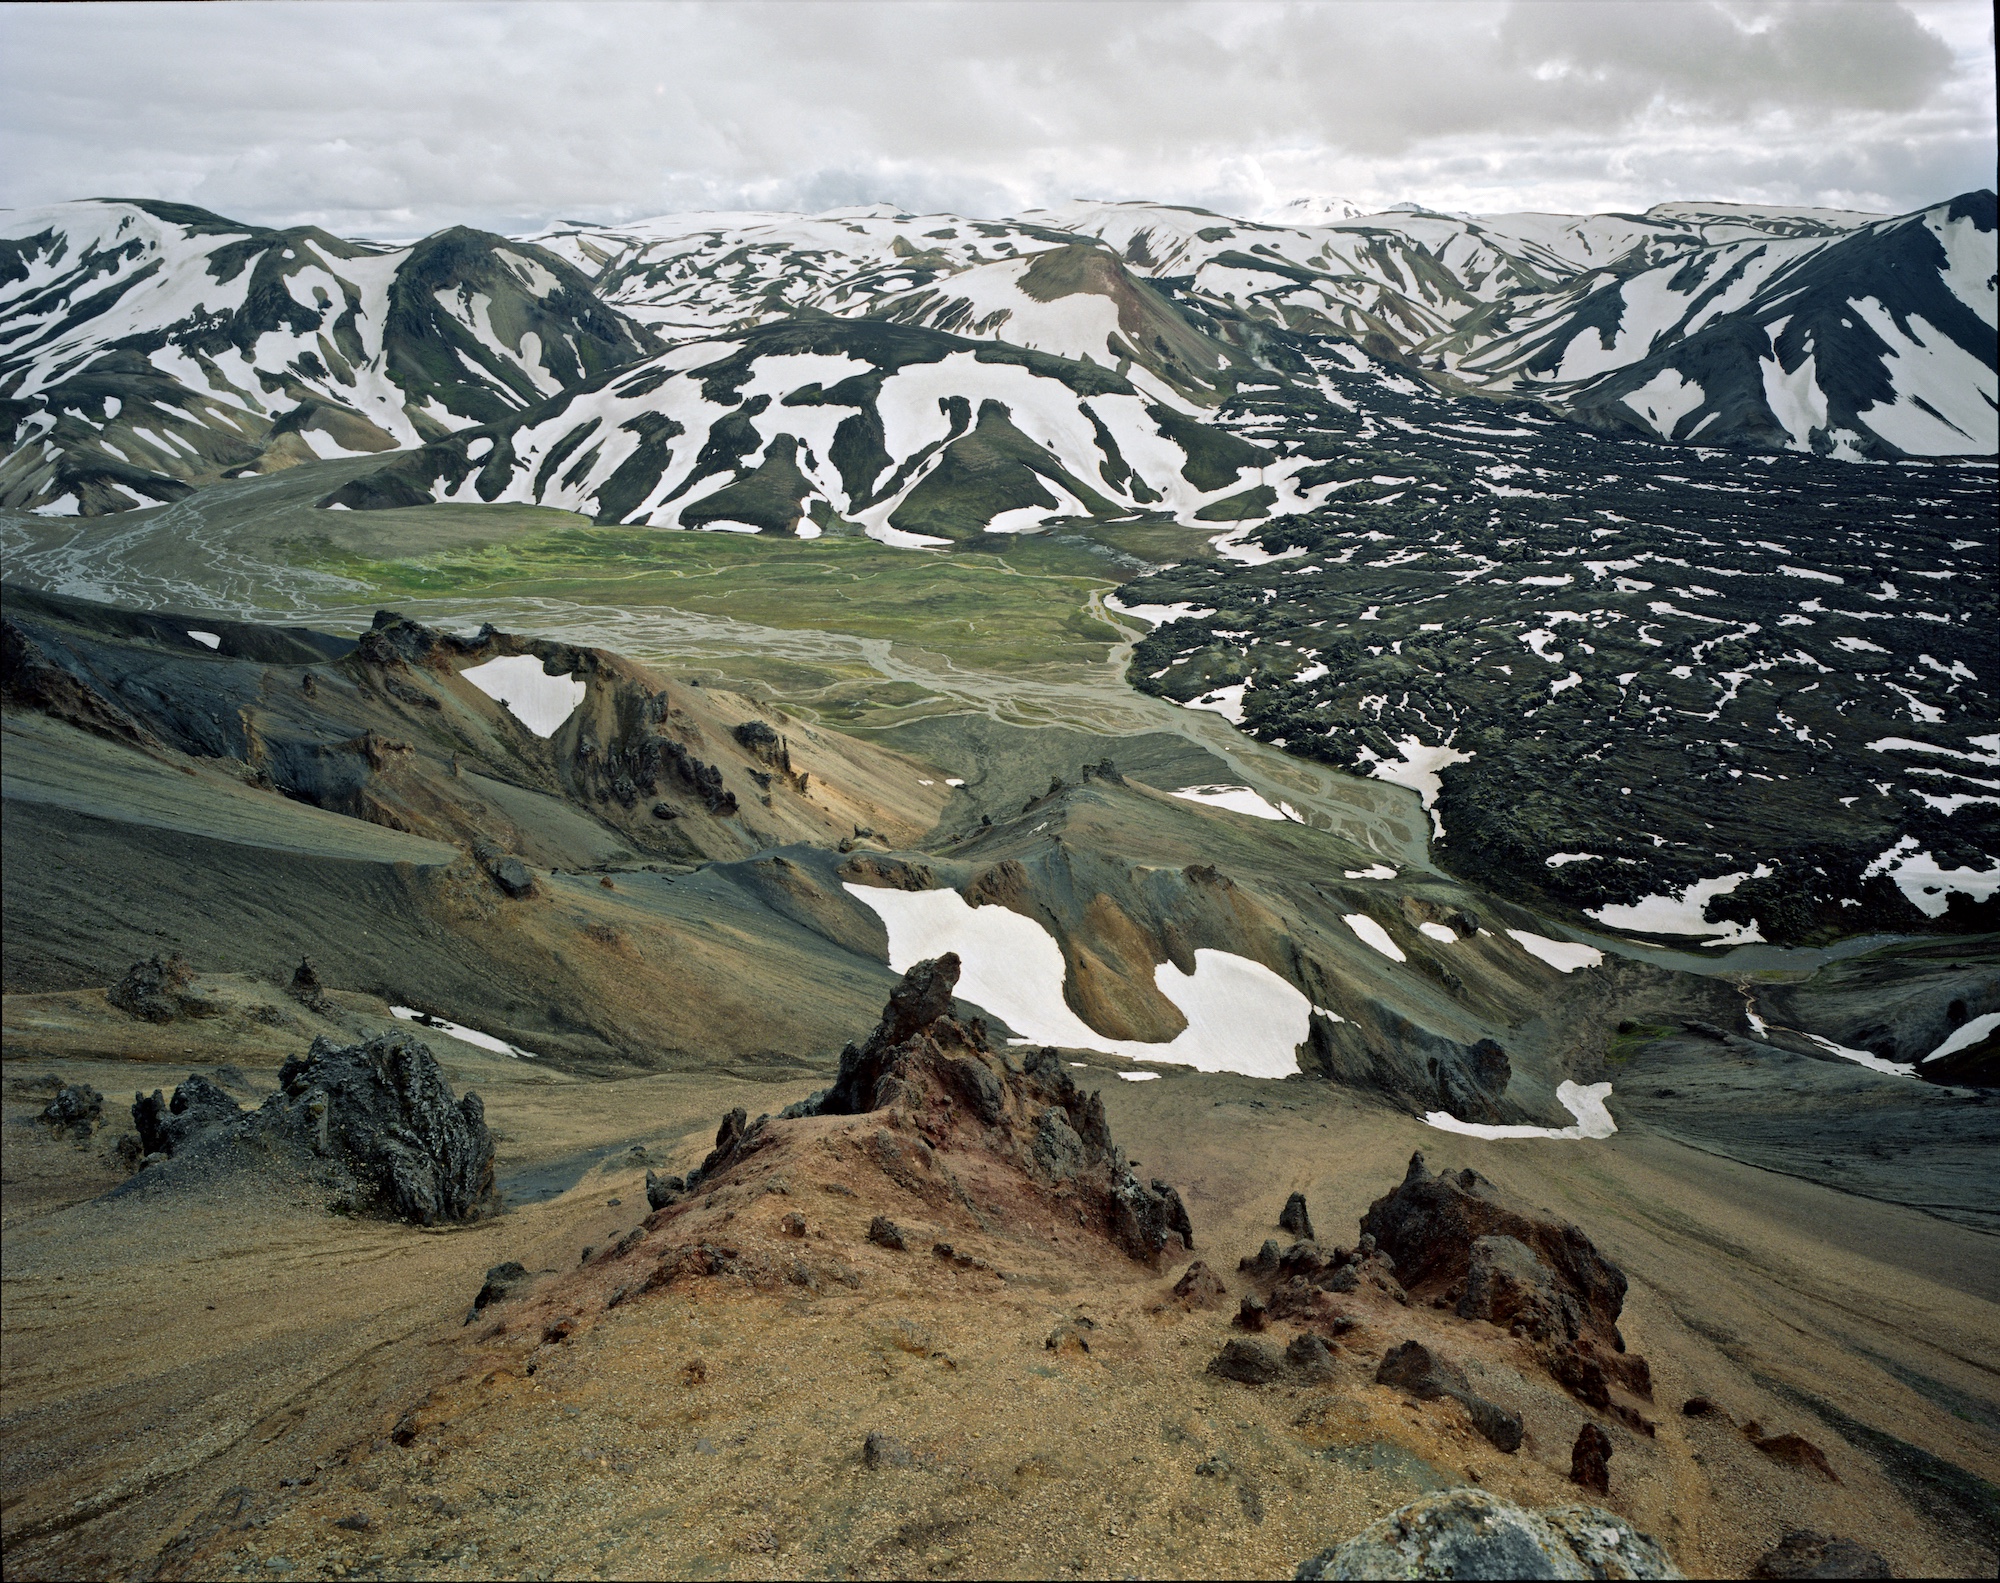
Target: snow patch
<point x="1371" y="933"/>
<point x="1237" y="799"/>
<point x="1241" y="1016"/>
<point x="1565" y="956"/>
<point x="465" y="1035"/>
<point x="206" y="639"/>
<point x="1593" y="1119"/>
<point x="541" y="702"/>
<point x="1685" y="913"/>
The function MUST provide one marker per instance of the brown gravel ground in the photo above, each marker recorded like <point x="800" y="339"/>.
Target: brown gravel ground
<point x="202" y="1387"/>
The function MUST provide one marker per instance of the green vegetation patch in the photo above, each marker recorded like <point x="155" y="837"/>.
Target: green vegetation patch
<point x="1024" y="608"/>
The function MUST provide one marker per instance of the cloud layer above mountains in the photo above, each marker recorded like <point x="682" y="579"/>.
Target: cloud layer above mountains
<point x="395" y="120"/>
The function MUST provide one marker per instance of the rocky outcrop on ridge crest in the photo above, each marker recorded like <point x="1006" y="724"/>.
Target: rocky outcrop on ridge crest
<point x="376" y="1125"/>
<point x="1457" y="1244"/>
<point x="941" y="1090"/>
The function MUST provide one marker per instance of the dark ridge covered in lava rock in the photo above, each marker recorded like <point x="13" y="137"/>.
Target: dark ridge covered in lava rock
<point x="937" y="1080"/>
<point x="375" y="1125"/>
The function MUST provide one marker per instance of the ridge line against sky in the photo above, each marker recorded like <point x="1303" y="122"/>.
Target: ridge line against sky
<point x="391" y="120"/>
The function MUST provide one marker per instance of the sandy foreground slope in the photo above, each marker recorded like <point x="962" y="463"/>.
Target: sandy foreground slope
<point x="246" y="1386"/>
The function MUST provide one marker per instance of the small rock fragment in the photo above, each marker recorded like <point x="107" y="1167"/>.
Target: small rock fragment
<point x="1200" y="1287"/>
<point x="880" y="1451"/>
<point x="793" y="1224"/>
<point x="1699" y="1407"/>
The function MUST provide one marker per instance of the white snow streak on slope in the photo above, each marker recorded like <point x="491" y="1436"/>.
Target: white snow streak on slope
<point x="206" y="639"/>
<point x="1684" y="914"/>
<point x="1593" y="1119"/>
<point x="1926" y="883"/>
<point x="485" y="1041"/>
<point x="1665" y="399"/>
<point x="1926" y="362"/>
<point x="1967" y="1035"/>
<point x="1371" y="933"/>
<point x="1241" y="1016"/>
<point x="1237" y="799"/>
<point x="1565" y="956"/>
<point x="1225" y="701"/>
<point x="539" y="701"/>
<point x="1795" y="399"/>
<point x="1968" y="265"/>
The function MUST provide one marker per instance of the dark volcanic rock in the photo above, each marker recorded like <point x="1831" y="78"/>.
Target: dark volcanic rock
<point x="1541" y="1278"/>
<point x="1294" y="1218"/>
<point x="501" y="1281"/>
<point x="885" y="1233"/>
<point x="165" y="1127"/>
<point x="375" y="1123"/>
<point x="663" y="1190"/>
<point x="1467" y="1533"/>
<point x="1590" y="1459"/>
<point x="160" y="990"/>
<point x="505" y="870"/>
<point x="76" y="1111"/>
<point x="1805" y="1554"/>
<point x="1413" y="1367"/>
<point x="1307" y="1360"/>
<point x="306" y="989"/>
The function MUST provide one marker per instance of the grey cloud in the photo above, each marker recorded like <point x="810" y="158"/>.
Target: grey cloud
<point x="395" y="119"/>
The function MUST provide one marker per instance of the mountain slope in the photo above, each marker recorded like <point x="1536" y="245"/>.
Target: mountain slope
<point x="146" y="348"/>
<point x="818" y="424"/>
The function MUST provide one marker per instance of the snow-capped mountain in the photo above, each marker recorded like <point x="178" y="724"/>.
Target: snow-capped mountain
<point x="148" y="347"/>
<point x="819" y="424"/>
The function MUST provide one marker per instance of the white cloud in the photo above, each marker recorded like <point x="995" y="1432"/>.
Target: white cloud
<point x="391" y="120"/>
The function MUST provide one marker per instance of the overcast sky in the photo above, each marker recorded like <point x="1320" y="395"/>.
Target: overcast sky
<point x="395" y="119"/>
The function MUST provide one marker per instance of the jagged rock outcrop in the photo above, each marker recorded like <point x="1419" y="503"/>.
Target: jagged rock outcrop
<point x="76" y="1111"/>
<point x="166" y="1126"/>
<point x="1472" y="1534"/>
<point x="161" y="989"/>
<point x="1455" y="1242"/>
<point x="375" y="1124"/>
<point x="940" y="1087"/>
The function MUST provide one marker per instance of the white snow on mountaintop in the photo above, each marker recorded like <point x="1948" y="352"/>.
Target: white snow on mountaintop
<point x="1849" y="335"/>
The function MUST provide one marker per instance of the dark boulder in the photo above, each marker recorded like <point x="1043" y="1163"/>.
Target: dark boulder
<point x="663" y="1190"/>
<point x="1590" y="1459"/>
<point x="501" y="1282"/>
<point x="76" y="1111"/>
<point x="306" y="989"/>
<point x="885" y="1233"/>
<point x="1453" y="1239"/>
<point x="1294" y="1217"/>
<point x="1414" y="1368"/>
<point x="1307" y="1360"/>
<point x="161" y="990"/>
<point x="376" y="1124"/>
<point x="1805" y="1554"/>
<point x="166" y="1126"/>
<point x="1200" y="1287"/>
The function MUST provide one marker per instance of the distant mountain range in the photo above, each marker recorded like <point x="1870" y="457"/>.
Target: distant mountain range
<point x="873" y="370"/>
